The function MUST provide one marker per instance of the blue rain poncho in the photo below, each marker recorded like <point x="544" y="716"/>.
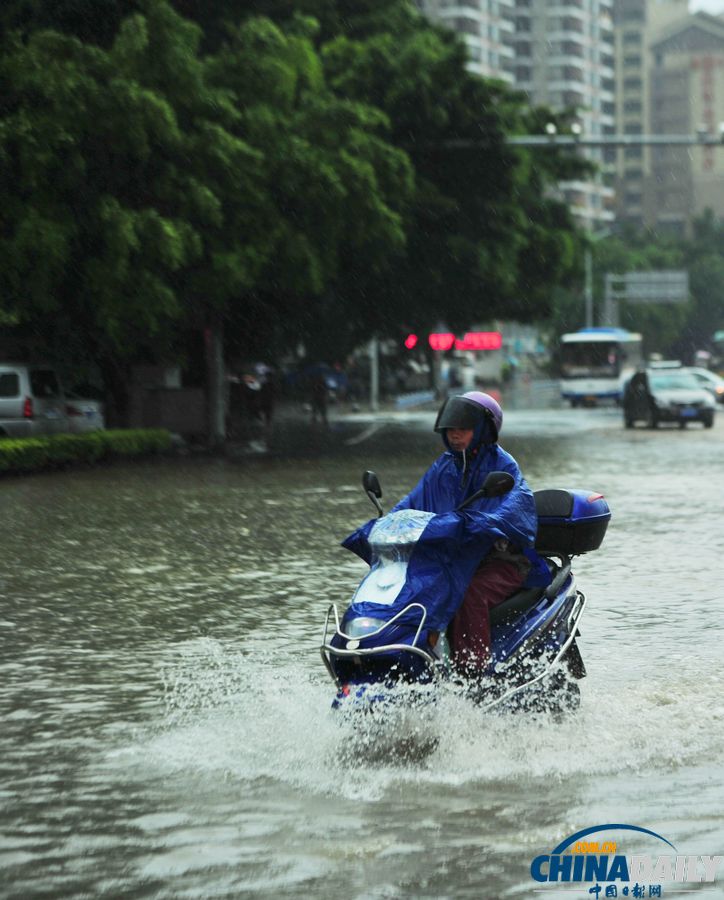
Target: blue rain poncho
<point x="452" y="544"/>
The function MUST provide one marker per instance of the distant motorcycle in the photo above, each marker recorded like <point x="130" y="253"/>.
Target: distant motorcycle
<point x="535" y="659"/>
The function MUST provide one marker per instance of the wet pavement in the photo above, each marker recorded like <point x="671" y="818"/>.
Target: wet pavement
<point x="165" y="720"/>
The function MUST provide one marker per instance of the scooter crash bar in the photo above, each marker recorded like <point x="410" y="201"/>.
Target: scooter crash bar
<point x="349" y="637"/>
<point x="572" y="622"/>
<point x="327" y="648"/>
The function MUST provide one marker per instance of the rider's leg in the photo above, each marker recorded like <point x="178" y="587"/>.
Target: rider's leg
<point x="469" y="631"/>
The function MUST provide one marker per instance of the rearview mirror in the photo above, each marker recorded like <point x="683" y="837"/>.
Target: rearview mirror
<point x="495" y="485"/>
<point x="498" y="483"/>
<point x="371" y="484"/>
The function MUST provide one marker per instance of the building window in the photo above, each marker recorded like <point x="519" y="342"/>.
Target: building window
<point x="466" y="26"/>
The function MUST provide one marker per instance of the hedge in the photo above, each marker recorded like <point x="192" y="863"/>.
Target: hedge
<point x="33" y="454"/>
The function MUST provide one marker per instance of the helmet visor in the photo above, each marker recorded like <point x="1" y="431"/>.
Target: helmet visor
<point x="457" y="412"/>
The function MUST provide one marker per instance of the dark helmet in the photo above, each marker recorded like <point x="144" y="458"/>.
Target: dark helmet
<point x="471" y="410"/>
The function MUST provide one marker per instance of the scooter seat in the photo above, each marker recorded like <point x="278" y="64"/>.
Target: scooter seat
<point x="526" y="598"/>
<point x="515" y="605"/>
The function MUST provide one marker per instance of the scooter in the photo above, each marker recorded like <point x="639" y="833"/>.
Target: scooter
<point x="535" y="660"/>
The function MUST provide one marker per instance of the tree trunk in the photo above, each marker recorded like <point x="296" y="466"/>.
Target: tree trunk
<point x="215" y="383"/>
<point x="116" y="382"/>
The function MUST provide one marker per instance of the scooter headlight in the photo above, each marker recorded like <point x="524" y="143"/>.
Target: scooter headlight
<point x="362" y="626"/>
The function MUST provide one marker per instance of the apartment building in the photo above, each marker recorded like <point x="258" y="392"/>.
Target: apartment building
<point x="564" y="58"/>
<point x="486" y="27"/>
<point x="631" y="67"/>
<point x="686" y="84"/>
<point x="560" y="52"/>
<point x="636" y="24"/>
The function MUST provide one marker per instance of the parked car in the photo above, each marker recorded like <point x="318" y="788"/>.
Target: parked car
<point x="31" y="401"/>
<point x="84" y="414"/>
<point x="710" y="380"/>
<point x="666" y="395"/>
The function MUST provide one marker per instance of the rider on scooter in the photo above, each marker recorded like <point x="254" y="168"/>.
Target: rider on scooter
<point x="470" y="425"/>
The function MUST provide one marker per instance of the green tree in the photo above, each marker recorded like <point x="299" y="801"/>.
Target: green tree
<point x="483" y="239"/>
<point x="661" y="324"/>
<point x="161" y="186"/>
<point x="704" y="258"/>
<point x="318" y="173"/>
<point x="89" y="239"/>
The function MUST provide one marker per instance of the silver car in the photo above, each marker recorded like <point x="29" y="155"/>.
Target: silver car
<point x="31" y="401"/>
<point x="710" y="381"/>
<point x="666" y="395"/>
<point x="84" y="414"/>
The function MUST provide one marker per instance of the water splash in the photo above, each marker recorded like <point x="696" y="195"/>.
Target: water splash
<point x="255" y="718"/>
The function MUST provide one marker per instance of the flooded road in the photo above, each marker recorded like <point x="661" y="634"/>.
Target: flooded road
<point x="165" y="722"/>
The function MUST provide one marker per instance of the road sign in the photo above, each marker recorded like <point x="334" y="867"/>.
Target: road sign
<point x="658" y="286"/>
<point x="664" y="286"/>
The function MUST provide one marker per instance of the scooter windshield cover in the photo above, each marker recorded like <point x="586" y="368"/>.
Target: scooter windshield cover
<point x="436" y="569"/>
<point x="399" y="529"/>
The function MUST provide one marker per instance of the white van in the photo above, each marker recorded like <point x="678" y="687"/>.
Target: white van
<point x="31" y="401"/>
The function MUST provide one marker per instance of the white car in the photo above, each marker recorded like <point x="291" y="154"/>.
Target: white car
<point x="666" y="395"/>
<point x="709" y="380"/>
<point x="83" y="414"/>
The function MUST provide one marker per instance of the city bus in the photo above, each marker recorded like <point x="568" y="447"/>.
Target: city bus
<point x="596" y="362"/>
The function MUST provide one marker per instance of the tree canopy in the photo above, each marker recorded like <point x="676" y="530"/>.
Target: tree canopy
<point x="675" y="330"/>
<point x="313" y="172"/>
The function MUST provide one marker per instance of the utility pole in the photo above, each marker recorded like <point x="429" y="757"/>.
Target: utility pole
<point x="592" y="237"/>
<point x="374" y="352"/>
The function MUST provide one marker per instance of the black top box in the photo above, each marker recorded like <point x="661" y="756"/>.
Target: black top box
<point x="570" y="522"/>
